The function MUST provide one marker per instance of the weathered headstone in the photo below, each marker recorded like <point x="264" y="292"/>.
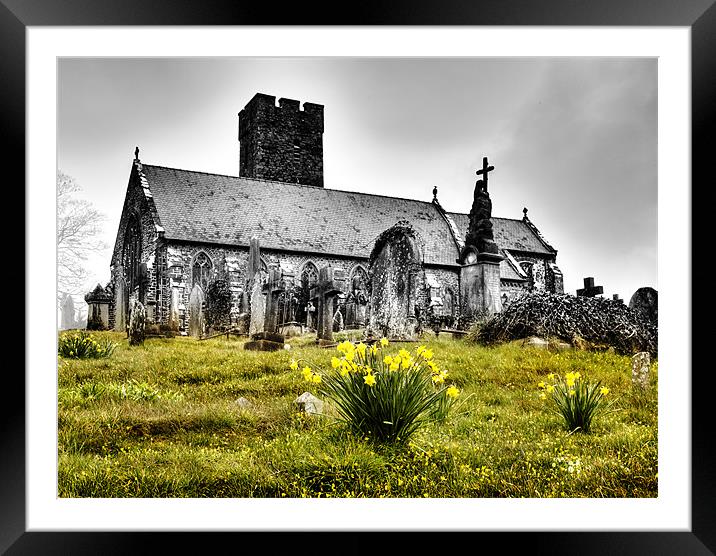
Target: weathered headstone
<point x="98" y="302"/>
<point x="196" y="311"/>
<point x="356" y="301"/>
<point x="120" y="302"/>
<point x="330" y="284"/>
<point x="243" y="403"/>
<point x="308" y="403"/>
<point x="640" y="369"/>
<point x="258" y="305"/>
<point x="396" y="279"/>
<point x="137" y="321"/>
<point x="174" y="309"/>
<point x="310" y="316"/>
<point x="645" y="301"/>
<point x="589" y="289"/>
<point x="616" y="297"/>
<point x="338" y="321"/>
<point x="68" y="313"/>
<point x="269" y="339"/>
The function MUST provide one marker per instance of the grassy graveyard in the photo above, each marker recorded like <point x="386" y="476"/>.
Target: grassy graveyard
<point x="161" y="420"/>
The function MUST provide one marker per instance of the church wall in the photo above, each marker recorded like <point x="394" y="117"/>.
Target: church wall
<point x="174" y="264"/>
<point x="137" y="205"/>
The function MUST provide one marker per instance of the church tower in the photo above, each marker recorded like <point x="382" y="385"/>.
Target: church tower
<point x="281" y="143"/>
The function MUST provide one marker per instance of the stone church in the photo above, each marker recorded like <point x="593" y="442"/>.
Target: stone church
<point x="181" y="229"/>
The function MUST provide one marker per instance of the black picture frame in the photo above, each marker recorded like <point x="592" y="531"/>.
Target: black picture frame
<point x="698" y="15"/>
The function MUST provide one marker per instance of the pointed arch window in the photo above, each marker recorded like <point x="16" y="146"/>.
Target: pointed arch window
<point x="201" y="270"/>
<point x="132" y="252"/>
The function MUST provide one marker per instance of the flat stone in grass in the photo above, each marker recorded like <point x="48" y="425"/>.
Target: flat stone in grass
<point x="263" y="345"/>
<point x="243" y="403"/>
<point x="308" y="403"/>
<point x="265" y="341"/>
<point x="640" y="369"/>
<point x="536" y="341"/>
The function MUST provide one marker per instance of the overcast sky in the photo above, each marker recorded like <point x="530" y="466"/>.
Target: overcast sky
<point x="573" y="140"/>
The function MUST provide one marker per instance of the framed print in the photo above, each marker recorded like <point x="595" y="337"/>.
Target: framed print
<point x="85" y="81"/>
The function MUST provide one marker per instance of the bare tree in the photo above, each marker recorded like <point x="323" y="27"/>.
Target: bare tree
<point x="78" y="230"/>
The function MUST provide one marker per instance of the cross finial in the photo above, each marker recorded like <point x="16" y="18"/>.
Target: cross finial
<point x="435" y="193"/>
<point x="484" y="170"/>
<point x="136" y="153"/>
<point x="524" y="211"/>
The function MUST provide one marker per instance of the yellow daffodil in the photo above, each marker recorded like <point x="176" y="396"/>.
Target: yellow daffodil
<point x="550" y="376"/>
<point x="350" y="355"/>
<point x="541" y="384"/>
<point x="374" y="349"/>
<point x="604" y="390"/>
<point x="383" y="342"/>
<point x="360" y="348"/>
<point x="420" y="350"/>
<point x="453" y="392"/>
<point x="427" y="354"/>
<point x="369" y="379"/>
<point x="335" y="362"/>
<point x="294" y="365"/>
<point x="388" y="360"/>
<point x="316" y="379"/>
<point x="395" y="365"/>
<point x="404" y="354"/>
<point x="550" y="388"/>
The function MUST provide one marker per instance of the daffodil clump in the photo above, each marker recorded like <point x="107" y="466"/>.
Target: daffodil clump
<point x="82" y="345"/>
<point x="575" y="398"/>
<point x="384" y="396"/>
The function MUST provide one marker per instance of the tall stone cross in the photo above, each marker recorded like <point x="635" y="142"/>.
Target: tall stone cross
<point x="483" y="172"/>
<point x="589" y="290"/>
<point x="274" y="287"/>
<point x="330" y="284"/>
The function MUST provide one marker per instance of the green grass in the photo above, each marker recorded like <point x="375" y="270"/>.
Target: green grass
<point x="160" y="420"/>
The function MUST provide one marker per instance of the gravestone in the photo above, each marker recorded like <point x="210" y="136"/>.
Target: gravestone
<point x="357" y="301"/>
<point x="258" y="304"/>
<point x="310" y="316"/>
<point x="589" y="289"/>
<point x="98" y="302"/>
<point x="397" y="277"/>
<point x="640" y="369"/>
<point x="645" y="302"/>
<point x="137" y="321"/>
<point x="120" y="302"/>
<point x="269" y="339"/>
<point x="196" y="311"/>
<point x="68" y="313"/>
<point x="338" y="321"/>
<point x="174" y="309"/>
<point x="330" y="284"/>
<point x="616" y="297"/>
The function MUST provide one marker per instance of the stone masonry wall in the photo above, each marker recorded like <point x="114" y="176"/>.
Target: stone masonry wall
<point x="138" y="204"/>
<point x="281" y="143"/>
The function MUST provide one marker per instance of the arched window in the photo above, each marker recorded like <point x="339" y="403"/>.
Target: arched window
<point x="201" y="270"/>
<point x="132" y="252"/>
<point x="528" y="269"/>
<point x="309" y="275"/>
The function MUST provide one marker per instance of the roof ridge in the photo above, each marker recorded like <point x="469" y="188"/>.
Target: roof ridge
<point x="313" y="187"/>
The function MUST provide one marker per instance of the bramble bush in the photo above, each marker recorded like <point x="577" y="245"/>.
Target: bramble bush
<point x="81" y="345"/>
<point x="577" y="400"/>
<point x="384" y="397"/>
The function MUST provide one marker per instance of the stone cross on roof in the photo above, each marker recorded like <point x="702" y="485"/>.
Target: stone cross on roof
<point x="484" y="170"/>
<point x="590" y="290"/>
<point x="136" y="153"/>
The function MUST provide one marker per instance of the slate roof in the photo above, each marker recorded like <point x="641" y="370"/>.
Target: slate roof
<point x="511" y="234"/>
<point x="212" y="208"/>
